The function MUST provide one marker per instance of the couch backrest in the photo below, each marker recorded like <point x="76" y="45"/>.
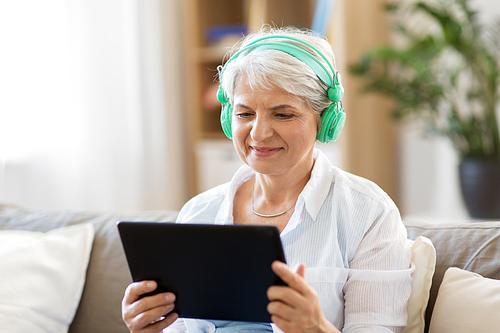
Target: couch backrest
<point x="99" y="310"/>
<point x="473" y="246"/>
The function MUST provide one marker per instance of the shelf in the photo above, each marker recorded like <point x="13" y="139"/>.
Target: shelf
<point x="213" y="53"/>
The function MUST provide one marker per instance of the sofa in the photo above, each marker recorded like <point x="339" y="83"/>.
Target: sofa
<point x="97" y="308"/>
<point x="96" y="301"/>
<point x="464" y="291"/>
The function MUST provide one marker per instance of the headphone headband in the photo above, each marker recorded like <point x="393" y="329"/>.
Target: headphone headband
<point x="300" y="54"/>
<point x="294" y="50"/>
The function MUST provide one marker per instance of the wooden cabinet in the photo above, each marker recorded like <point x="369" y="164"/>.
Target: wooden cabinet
<point x="204" y="52"/>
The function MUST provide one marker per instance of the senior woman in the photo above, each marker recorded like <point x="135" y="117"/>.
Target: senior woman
<point x="281" y="93"/>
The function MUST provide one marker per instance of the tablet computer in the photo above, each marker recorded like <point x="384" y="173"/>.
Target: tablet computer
<point x="219" y="272"/>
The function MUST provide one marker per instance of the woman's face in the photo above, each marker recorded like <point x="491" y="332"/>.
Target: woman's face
<point x="273" y="131"/>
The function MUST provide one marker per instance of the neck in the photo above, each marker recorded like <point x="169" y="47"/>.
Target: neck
<point x="276" y="194"/>
<point x="269" y="198"/>
<point x="267" y="215"/>
<point x="279" y="189"/>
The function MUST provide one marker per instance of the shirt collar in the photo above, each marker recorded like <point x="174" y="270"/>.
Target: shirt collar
<point x="225" y="213"/>
<point x="318" y="186"/>
<point x="312" y="197"/>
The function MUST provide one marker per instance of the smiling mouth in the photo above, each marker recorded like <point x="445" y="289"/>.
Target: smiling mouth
<point x="265" y="149"/>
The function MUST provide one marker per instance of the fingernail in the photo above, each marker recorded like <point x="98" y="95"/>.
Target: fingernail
<point x="150" y="284"/>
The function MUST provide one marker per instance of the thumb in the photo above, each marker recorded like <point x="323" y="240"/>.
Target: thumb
<point x="301" y="269"/>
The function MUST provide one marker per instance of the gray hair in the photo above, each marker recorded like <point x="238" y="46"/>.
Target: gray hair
<point x="264" y="68"/>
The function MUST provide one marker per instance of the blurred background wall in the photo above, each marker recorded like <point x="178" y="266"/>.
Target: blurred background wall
<point x="91" y="108"/>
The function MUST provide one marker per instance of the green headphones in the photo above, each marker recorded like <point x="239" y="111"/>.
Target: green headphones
<point x="332" y="119"/>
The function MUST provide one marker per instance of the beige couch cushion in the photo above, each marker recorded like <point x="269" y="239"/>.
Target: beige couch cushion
<point x="107" y="274"/>
<point x="466" y="302"/>
<point x="42" y="277"/>
<point x="423" y="258"/>
<point x="473" y="246"/>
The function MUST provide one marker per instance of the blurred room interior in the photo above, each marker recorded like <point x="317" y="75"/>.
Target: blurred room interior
<point x="104" y="104"/>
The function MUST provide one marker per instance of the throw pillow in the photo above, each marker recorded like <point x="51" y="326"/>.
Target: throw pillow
<point x="424" y="260"/>
<point x="466" y="302"/>
<point x="42" y="277"/>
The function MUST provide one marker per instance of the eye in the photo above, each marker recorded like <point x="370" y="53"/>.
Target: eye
<point x="284" y="116"/>
<point x="243" y="114"/>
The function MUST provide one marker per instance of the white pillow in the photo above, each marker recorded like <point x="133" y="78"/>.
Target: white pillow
<point x="42" y="277"/>
<point x="423" y="258"/>
<point x="466" y="302"/>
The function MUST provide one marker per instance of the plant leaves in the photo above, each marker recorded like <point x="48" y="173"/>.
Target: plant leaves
<point x="450" y="79"/>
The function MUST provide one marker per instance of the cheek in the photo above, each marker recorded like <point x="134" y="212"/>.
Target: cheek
<point x="240" y="134"/>
<point x="236" y="129"/>
<point x="239" y="142"/>
<point x="306" y="133"/>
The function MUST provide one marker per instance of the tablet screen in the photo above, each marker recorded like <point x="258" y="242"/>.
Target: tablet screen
<point x="219" y="272"/>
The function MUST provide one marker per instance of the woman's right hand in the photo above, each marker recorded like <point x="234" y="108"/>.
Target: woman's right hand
<point x="149" y="314"/>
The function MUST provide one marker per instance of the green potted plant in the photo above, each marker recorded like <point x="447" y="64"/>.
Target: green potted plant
<point x="445" y="71"/>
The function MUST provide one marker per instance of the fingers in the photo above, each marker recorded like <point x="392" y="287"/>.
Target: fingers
<point x="152" y="321"/>
<point x="283" y="324"/>
<point x="301" y="270"/>
<point x="284" y="300"/>
<point x="280" y="309"/>
<point x="148" y="314"/>
<point x="294" y="307"/>
<point x="293" y="280"/>
<point x="136" y="289"/>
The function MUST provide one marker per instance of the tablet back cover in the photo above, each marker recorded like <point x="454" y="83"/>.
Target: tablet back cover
<point x="219" y="272"/>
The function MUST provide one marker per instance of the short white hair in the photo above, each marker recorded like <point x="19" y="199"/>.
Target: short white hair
<point x="265" y="68"/>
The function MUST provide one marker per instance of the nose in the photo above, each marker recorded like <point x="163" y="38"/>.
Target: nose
<point x="261" y="128"/>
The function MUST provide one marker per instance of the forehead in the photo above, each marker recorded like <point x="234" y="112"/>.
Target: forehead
<point x="243" y="91"/>
<point x="274" y="96"/>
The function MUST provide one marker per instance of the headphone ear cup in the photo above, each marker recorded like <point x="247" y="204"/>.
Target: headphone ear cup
<point x="225" y="120"/>
<point x="338" y="125"/>
<point x="221" y="96"/>
<point x="332" y="122"/>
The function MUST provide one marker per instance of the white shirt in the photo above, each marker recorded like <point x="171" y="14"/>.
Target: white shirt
<point x="350" y="236"/>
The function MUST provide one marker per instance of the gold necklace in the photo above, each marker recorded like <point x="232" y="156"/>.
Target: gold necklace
<point x="265" y="215"/>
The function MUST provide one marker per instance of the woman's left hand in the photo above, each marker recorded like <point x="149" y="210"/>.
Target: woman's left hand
<point x="296" y="307"/>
